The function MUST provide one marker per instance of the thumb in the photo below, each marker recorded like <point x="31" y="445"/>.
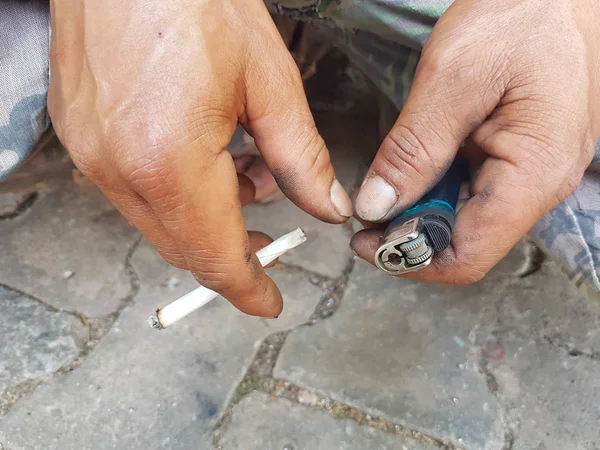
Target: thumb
<point x="448" y="100"/>
<point x="279" y="119"/>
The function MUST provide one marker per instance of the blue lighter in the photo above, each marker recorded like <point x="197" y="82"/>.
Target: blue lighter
<point x="412" y="238"/>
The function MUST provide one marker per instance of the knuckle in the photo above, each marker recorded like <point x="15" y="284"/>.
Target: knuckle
<point x="69" y="136"/>
<point x="146" y="169"/>
<point x="404" y="151"/>
<point x="145" y="164"/>
<point x="542" y="158"/>
<point x="437" y="58"/>
<point x="537" y="154"/>
<point x="175" y="261"/>
<point x="171" y="255"/>
<point x="215" y="276"/>
<point x="314" y="155"/>
<point x="451" y="59"/>
<point x="242" y="286"/>
<point x="312" y="159"/>
<point x="92" y="169"/>
<point x="85" y="156"/>
<point x="210" y="125"/>
<point x="224" y="270"/>
<point x="150" y="159"/>
<point x="90" y="164"/>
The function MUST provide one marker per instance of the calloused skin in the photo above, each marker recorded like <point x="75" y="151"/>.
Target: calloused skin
<point x="145" y="95"/>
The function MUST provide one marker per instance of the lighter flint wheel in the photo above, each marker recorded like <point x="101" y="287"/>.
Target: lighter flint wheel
<point x="413" y="245"/>
<point x="419" y="259"/>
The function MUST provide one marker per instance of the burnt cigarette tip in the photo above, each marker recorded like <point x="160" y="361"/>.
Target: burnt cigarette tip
<point x="155" y="323"/>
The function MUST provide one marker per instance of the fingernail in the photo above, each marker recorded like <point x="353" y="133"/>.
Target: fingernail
<point x="340" y="200"/>
<point x="375" y="199"/>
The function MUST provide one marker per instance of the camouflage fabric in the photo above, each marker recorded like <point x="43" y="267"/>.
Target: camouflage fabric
<point x="382" y="37"/>
<point x="24" y="75"/>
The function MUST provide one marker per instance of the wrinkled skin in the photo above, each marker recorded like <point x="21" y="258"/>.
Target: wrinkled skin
<point x="146" y="95"/>
<point x="519" y="81"/>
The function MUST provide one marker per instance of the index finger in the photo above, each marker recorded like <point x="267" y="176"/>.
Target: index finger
<point x="193" y="190"/>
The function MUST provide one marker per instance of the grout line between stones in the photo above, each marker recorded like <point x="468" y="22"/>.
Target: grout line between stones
<point x="509" y="427"/>
<point x="571" y="350"/>
<point x="12" y="394"/>
<point x="82" y="318"/>
<point x="99" y="326"/>
<point x="314" y="277"/>
<point x="259" y="376"/>
<point x="17" y="392"/>
<point x="21" y="208"/>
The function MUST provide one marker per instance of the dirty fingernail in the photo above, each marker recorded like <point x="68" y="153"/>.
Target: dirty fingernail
<point x="375" y="199"/>
<point x="340" y="200"/>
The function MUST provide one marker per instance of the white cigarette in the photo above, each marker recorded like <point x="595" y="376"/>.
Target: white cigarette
<point x="173" y="312"/>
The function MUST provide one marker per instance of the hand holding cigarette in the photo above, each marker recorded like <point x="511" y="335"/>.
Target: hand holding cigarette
<point x="182" y="307"/>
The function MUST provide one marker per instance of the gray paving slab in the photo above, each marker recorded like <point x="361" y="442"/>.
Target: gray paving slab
<point x="146" y="389"/>
<point x="34" y="342"/>
<point x="551" y="400"/>
<point x="261" y="422"/>
<point x="427" y="355"/>
<point x="70" y="250"/>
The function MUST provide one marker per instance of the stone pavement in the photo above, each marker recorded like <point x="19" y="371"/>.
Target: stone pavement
<point x="357" y="360"/>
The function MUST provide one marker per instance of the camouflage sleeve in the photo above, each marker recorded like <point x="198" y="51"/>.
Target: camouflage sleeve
<point x="570" y="233"/>
<point x="24" y="50"/>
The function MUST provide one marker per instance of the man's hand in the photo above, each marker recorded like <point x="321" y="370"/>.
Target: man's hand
<point x="519" y="79"/>
<point x="146" y="95"/>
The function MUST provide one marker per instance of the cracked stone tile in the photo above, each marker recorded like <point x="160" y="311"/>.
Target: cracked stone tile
<point x="414" y="352"/>
<point x="145" y="389"/>
<point x="34" y="342"/>
<point x="261" y="422"/>
<point x="549" y="400"/>
<point x="531" y="345"/>
<point x="69" y="250"/>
